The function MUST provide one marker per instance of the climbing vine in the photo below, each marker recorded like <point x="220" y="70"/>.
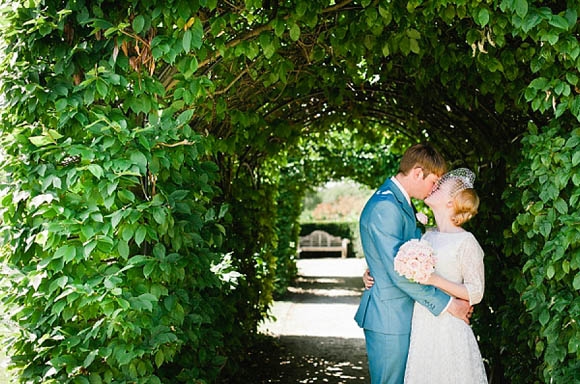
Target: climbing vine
<point x="154" y="155"/>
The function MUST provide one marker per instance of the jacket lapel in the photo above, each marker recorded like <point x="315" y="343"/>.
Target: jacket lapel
<point x="400" y="198"/>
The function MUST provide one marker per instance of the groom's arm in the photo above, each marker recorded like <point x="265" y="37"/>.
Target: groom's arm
<point x="386" y="231"/>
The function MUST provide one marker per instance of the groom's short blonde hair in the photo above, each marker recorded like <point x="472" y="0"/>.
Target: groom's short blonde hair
<point x="424" y="156"/>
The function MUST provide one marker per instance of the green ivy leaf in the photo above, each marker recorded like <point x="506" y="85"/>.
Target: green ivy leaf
<point x="148" y="269"/>
<point x="90" y="358"/>
<point x="67" y="252"/>
<point x="140" y="234"/>
<point x="539" y="83"/>
<point x="197" y="34"/>
<point x="187" y="40"/>
<point x="545" y="228"/>
<point x="81" y="380"/>
<point x="193" y="64"/>
<point x="449" y="13"/>
<point x="40" y="141"/>
<point x="302" y="7"/>
<point x="159" y="358"/>
<point x="575" y="107"/>
<point x="576" y="158"/>
<point x="61" y="105"/>
<point x="483" y="17"/>
<point x="139" y="158"/>
<point x="574" y="344"/>
<point x="159" y="216"/>
<point x="531" y="21"/>
<point x="550" y="272"/>
<point x="413" y="34"/>
<point x="294" y="32"/>
<point x="405" y="45"/>
<point x="566" y="266"/>
<point x="138" y="24"/>
<point x="128" y="233"/>
<point x="98" y="217"/>
<point x="386" y="50"/>
<point x="414" y="45"/>
<point x="571" y="16"/>
<point x="223" y="210"/>
<point x="88" y="248"/>
<point x="102" y="87"/>
<point x="576" y="282"/>
<point x="279" y="27"/>
<point x="544" y="317"/>
<point x="521" y="8"/>
<point x="96" y="170"/>
<point x="126" y="196"/>
<point x="561" y="206"/>
<point x="123" y="248"/>
<point x="184" y="117"/>
<point x="559" y="22"/>
<point x="572" y="78"/>
<point x="211" y="4"/>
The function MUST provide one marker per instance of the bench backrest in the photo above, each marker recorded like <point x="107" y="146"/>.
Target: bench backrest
<point x="320" y="239"/>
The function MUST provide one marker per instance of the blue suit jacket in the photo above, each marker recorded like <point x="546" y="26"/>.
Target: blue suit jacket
<point x="387" y="222"/>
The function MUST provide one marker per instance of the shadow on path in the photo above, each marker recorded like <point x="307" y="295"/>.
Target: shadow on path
<point x="307" y="359"/>
<point x="325" y="290"/>
<point x="315" y="338"/>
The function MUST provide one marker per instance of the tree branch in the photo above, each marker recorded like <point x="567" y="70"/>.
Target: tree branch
<point x="232" y="83"/>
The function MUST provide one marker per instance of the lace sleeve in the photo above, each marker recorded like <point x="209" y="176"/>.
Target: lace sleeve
<point x="472" y="270"/>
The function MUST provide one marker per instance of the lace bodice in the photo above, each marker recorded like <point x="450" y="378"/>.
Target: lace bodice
<point x="459" y="259"/>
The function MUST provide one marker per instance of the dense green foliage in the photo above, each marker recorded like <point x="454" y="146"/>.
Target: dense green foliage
<point x="155" y="154"/>
<point x="548" y="231"/>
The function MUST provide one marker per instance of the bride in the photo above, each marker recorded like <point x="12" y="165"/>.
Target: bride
<point x="443" y="349"/>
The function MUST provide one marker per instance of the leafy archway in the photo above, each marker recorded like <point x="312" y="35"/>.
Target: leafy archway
<point x="154" y="160"/>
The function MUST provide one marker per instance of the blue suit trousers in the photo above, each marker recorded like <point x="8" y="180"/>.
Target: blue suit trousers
<point x="387" y="356"/>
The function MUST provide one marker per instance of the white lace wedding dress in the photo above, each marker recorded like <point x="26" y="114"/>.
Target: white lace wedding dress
<point x="443" y="349"/>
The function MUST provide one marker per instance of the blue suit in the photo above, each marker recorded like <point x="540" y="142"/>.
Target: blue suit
<point x="385" y="311"/>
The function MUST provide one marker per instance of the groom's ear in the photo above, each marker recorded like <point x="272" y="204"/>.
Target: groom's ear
<point x="417" y="173"/>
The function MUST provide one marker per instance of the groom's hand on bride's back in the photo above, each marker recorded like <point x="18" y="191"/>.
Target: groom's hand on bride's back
<point x="368" y="279"/>
<point x="460" y="309"/>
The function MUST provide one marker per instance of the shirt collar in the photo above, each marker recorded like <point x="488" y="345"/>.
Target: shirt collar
<point x="396" y="182"/>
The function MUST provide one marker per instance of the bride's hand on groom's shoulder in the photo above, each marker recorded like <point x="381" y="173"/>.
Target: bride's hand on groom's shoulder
<point x="368" y="279"/>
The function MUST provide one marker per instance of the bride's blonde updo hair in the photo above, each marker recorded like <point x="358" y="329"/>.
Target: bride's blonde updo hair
<point x="465" y="205"/>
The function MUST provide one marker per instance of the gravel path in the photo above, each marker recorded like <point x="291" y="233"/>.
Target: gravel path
<point x="318" y="338"/>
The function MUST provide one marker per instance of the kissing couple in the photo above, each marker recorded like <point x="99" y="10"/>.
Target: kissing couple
<point x="418" y="333"/>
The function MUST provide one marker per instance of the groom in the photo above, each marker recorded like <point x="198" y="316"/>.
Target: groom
<point x="388" y="221"/>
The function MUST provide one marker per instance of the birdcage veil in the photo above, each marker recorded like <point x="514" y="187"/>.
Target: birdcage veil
<point x="463" y="179"/>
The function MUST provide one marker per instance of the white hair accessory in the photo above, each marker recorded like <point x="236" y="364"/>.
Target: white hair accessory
<point x="463" y="179"/>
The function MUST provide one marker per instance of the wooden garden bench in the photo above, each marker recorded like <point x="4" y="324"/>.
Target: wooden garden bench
<point x="320" y="241"/>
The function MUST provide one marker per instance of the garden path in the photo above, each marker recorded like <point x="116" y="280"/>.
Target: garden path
<point x="318" y="338"/>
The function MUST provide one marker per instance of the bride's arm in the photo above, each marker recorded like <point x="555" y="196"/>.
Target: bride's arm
<point x="472" y="271"/>
<point x="454" y="289"/>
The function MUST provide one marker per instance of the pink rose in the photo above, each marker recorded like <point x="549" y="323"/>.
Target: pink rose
<point x="422" y="218"/>
<point x="415" y="260"/>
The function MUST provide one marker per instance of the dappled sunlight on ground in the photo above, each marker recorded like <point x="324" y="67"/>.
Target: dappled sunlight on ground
<point x="319" y="341"/>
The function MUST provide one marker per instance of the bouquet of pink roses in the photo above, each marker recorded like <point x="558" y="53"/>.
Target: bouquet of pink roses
<point x="415" y="260"/>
